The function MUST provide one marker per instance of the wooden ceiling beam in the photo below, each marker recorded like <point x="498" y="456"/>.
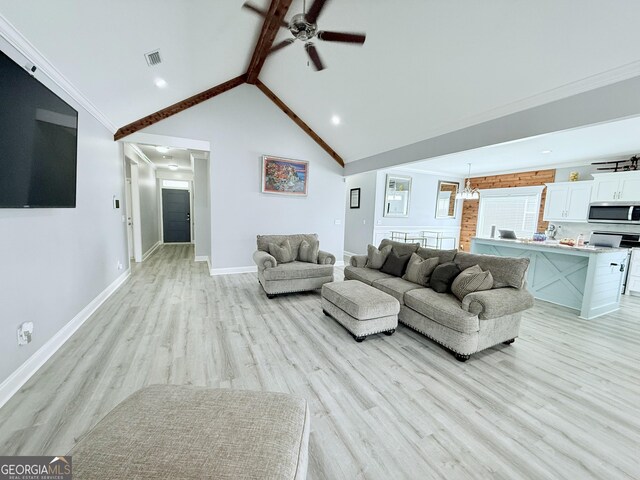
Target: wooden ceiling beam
<point x="179" y="107"/>
<point x="274" y="98"/>
<point x="272" y="23"/>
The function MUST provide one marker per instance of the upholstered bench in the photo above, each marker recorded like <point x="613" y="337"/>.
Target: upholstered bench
<point x="168" y="431"/>
<point x="360" y="308"/>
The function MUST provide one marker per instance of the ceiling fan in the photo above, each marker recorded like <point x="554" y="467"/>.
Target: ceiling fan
<point x="303" y="27"/>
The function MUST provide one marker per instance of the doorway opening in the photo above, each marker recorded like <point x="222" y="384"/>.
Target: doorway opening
<point x="164" y="200"/>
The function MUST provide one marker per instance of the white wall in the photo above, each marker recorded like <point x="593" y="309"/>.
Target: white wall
<point x="359" y="222"/>
<point x="148" y="198"/>
<point x="149" y="209"/>
<point x="422" y="201"/>
<point x="242" y="125"/>
<point x="54" y="262"/>
<point x="201" y="207"/>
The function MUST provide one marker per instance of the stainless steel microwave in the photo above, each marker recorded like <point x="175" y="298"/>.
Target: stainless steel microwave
<point x="614" y="213"/>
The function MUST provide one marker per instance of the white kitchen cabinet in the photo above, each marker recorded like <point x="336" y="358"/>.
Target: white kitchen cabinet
<point x="616" y="187"/>
<point x="567" y="201"/>
<point x="630" y="188"/>
<point x="633" y="280"/>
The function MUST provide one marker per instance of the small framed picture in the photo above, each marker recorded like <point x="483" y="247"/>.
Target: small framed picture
<point x="354" y="198"/>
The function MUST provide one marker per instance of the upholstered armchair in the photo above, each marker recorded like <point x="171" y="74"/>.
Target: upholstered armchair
<point x="302" y="266"/>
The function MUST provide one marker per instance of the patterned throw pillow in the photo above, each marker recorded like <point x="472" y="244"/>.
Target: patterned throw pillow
<point x="308" y="251"/>
<point x="283" y="253"/>
<point x="375" y="257"/>
<point x="419" y="270"/>
<point x="473" y="279"/>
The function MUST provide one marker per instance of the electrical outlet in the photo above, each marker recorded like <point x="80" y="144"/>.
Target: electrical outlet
<point x="337" y="221"/>
<point x="25" y="331"/>
<point x="120" y="267"/>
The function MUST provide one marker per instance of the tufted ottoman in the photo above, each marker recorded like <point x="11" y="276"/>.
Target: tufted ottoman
<point x="363" y="310"/>
<point x="185" y="432"/>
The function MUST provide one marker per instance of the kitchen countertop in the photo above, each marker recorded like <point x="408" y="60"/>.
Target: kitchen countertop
<point x="585" y="249"/>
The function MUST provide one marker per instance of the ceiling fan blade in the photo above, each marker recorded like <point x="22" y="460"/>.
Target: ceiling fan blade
<point x="313" y="55"/>
<point x="254" y="9"/>
<point x="262" y="13"/>
<point x="345" y="37"/>
<point x="314" y="11"/>
<point x="281" y="45"/>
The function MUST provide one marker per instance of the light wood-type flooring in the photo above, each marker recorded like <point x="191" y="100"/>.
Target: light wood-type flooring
<point x="562" y="402"/>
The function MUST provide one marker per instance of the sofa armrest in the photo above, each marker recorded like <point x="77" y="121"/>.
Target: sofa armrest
<point x="358" y="260"/>
<point x="264" y="260"/>
<point x="497" y="302"/>
<point x="326" y="258"/>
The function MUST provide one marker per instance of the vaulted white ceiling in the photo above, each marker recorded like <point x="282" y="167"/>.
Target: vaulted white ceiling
<point x="427" y="67"/>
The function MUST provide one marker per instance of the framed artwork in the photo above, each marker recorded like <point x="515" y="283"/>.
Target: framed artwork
<point x="284" y="176"/>
<point x="354" y="198"/>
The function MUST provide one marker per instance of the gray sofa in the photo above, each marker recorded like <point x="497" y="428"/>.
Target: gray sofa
<point x="481" y="320"/>
<point x="296" y="276"/>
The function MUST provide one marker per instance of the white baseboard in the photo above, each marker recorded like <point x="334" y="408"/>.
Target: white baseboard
<point x="203" y="258"/>
<point x="232" y="270"/>
<point x="339" y="263"/>
<point x="151" y="250"/>
<point x="18" y="378"/>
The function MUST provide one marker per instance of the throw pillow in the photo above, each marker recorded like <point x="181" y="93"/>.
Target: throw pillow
<point x="283" y="253"/>
<point x="308" y="251"/>
<point x="473" y="279"/>
<point x="375" y="257"/>
<point x="419" y="270"/>
<point x="443" y="276"/>
<point x="395" y="264"/>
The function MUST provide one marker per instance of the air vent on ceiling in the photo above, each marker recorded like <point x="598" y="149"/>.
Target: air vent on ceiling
<point x="153" y="58"/>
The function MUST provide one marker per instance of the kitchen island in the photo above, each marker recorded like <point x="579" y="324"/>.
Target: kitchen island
<point x="586" y="279"/>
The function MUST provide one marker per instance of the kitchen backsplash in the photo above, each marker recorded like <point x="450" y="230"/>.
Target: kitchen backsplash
<point x="572" y="230"/>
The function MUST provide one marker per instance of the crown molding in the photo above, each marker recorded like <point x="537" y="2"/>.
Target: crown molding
<point x="32" y="54"/>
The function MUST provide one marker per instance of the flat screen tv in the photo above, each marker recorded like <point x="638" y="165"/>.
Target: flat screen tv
<point x="38" y="142"/>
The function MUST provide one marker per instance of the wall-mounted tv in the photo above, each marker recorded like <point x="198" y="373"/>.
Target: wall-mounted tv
<point x="38" y="142"/>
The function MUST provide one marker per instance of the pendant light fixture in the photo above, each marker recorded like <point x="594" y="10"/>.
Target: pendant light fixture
<point x="469" y="193"/>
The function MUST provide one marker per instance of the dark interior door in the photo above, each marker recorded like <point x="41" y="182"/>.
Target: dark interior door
<point x="176" y="216"/>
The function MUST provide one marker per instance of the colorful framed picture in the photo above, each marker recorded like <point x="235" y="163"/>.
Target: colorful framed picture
<point x="354" y="198"/>
<point x="284" y="176"/>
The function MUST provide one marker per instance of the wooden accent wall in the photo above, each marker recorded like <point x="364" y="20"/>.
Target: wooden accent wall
<point x="523" y="179"/>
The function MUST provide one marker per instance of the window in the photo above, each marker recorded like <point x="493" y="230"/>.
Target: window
<point x="183" y="184"/>
<point x="514" y="209"/>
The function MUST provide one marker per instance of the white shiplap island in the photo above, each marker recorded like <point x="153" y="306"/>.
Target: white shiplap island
<point x="586" y="279"/>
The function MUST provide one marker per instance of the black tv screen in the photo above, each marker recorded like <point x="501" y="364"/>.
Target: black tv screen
<point x="38" y="142"/>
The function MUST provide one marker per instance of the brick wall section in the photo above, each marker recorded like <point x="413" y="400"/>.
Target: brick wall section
<point x="523" y="179"/>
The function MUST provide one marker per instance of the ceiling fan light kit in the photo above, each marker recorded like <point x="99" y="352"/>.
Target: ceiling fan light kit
<point x="303" y="27"/>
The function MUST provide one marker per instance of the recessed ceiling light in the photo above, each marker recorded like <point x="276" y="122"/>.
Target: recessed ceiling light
<point x="160" y="82"/>
<point x="173" y="166"/>
<point x="162" y="149"/>
<point x="546" y="152"/>
<point x="335" y="120"/>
